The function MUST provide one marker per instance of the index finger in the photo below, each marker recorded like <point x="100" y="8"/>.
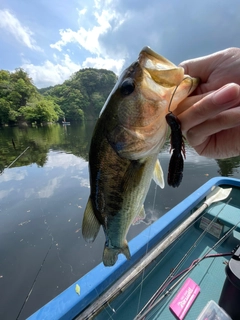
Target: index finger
<point x="210" y="106"/>
<point x="188" y="102"/>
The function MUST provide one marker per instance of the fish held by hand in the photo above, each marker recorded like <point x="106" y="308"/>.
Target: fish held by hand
<point x="126" y="141"/>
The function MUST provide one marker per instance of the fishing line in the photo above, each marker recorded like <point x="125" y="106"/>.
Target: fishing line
<point x="154" y="198"/>
<point x="177" y="150"/>
<point x="39" y="270"/>
<point x="34" y="282"/>
<point x="105" y="308"/>
<point x="113" y="310"/>
<point x="147" y="246"/>
<point x="174" y="91"/>
<point x="15" y="160"/>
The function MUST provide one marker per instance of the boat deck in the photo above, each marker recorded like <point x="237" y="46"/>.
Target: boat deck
<point x="209" y="274"/>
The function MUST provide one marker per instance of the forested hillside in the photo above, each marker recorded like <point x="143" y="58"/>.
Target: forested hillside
<point x="81" y="97"/>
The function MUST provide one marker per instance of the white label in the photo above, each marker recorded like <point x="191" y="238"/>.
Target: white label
<point x="215" y="229"/>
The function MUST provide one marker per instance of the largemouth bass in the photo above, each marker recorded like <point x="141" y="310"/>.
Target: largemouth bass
<point x="125" y="145"/>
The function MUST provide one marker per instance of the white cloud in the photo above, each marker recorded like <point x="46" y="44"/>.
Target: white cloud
<point x="101" y="63"/>
<point x="82" y="12"/>
<point x="5" y="193"/>
<point x="11" y="174"/>
<point x="99" y="4"/>
<point x="50" y="73"/>
<point x="65" y="161"/>
<point x="49" y="189"/>
<point x="89" y="38"/>
<point x="22" y="33"/>
<point x="102" y="19"/>
<point x="30" y="192"/>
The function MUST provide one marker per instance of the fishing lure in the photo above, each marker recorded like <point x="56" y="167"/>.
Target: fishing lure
<point x="176" y="164"/>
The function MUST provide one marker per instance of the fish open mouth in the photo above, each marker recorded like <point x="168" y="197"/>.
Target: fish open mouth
<point x="163" y="76"/>
<point x="157" y="62"/>
<point x="160" y="69"/>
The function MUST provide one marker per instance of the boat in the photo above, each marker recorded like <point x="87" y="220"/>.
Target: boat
<point x="194" y="244"/>
<point x="65" y="123"/>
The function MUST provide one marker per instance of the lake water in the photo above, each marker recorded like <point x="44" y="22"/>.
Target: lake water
<point x="42" y="199"/>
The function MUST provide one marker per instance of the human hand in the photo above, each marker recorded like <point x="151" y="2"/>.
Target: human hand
<point x="210" y="118"/>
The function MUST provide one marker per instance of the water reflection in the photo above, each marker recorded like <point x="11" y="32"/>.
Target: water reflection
<point x="70" y="139"/>
<point x="43" y="196"/>
<point x="228" y="167"/>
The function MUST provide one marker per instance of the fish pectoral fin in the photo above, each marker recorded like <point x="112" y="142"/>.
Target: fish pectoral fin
<point x="141" y="216"/>
<point x="110" y="255"/>
<point x="142" y="213"/>
<point x="158" y="175"/>
<point x="90" y="224"/>
<point x="133" y="175"/>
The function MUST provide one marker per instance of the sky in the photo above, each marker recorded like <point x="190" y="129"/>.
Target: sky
<point x="52" y="39"/>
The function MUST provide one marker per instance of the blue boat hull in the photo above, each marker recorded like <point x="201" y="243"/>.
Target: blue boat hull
<point x="69" y="304"/>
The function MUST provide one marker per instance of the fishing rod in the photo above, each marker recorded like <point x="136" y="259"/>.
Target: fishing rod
<point x="34" y="282"/>
<point x="215" y="195"/>
<point x="15" y="160"/>
<point x="186" y="255"/>
<point x="192" y="266"/>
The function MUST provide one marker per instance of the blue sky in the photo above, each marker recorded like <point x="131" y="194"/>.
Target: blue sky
<point x="53" y="39"/>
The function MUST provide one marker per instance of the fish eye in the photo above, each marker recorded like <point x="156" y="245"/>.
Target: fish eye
<point x="127" y="86"/>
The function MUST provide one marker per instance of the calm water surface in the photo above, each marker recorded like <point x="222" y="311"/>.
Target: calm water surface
<point x="42" y="199"/>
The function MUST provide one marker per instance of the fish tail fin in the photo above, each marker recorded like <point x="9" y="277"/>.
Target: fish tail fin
<point x="90" y="224"/>
<point x="110" y="255"/>
<point x="125" y="250"/>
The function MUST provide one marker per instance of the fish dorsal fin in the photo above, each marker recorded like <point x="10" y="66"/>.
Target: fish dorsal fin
<point x="90" y="224"/>
<point x="158" y="175"/>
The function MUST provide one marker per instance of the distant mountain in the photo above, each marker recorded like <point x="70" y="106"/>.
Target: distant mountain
<point x="83" y="95"/>
<point x="79" y="98"/>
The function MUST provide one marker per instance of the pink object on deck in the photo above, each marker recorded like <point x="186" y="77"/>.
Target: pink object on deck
<point x="184" y="299"/>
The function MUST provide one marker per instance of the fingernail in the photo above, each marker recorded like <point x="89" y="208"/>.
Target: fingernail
<point x="228" y="93"/>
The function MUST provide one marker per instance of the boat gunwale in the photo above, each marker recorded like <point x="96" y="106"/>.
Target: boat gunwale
<point x="68" y="304"/>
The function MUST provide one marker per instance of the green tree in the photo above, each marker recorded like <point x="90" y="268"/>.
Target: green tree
<point x="4" y="110"/>
<point x="16" y="90"/>
<point x="86" y="91"/>
<point x="43" y="111"/>
<point x="81" y="97"/>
